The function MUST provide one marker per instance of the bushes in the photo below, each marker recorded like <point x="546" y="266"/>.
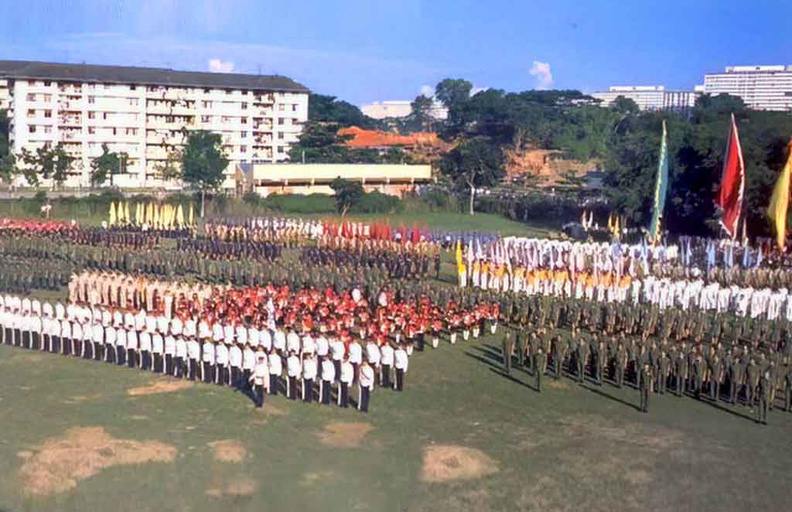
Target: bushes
<point x="376" y="202"/>
<point x="298" y="204"/>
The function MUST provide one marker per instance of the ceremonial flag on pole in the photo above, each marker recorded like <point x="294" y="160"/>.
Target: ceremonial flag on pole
<point x="779" y="203"/>
<point x="661" y="187"/>
<point x="732" y="188"/>
<point x="112" y="219"/>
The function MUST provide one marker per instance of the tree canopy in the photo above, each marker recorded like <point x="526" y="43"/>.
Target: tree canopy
<point x="473" y="164"/>
<point x="327" y="109"/>
<point x="203" y="162"/>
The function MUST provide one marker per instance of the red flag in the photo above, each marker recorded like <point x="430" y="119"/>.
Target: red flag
<point x="732" y="183"/>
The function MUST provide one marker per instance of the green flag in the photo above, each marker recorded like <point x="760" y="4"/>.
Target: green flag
<point x="661" y="187"/>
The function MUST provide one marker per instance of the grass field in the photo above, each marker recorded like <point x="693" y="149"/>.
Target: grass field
<point x="569" y="448"/>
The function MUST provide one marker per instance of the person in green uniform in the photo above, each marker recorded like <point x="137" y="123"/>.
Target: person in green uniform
<point x="645" y="386"/>
<point x="508" y="348"/>
<point x="788" y="388"/>
<point x="540" y="365"/>
<point x="764" y="398"/>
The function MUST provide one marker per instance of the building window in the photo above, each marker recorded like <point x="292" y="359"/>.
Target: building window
<point x="91" y="115"/>
<point x="133" y="102"/>
<point x="104" y="116"/>
<point x="31" y="83"/>
<point x="48" y="113"/>
<point x="131" y="131"/>
<point x="281" y="107"/>
<point x="243" y="149"/>
<point x="48" y="129"/>
<point x="91" y="100"/>
<point x="32" y="129"/>
<point x="294" y="108"/>
<point x="244" y="120"/>
<point x="31" y="114"/>
<point x="133" y="87"/>
<point x="281" y="120"/>
<point x="31" y="97"/>
<point x="244" y="134"/>
<point x="206" y="104"/>
<point x="47" y="98"/>
<point x="244" y="106"/>
<point x="115" y="131"/>
<point x="92" y="130"/>
<point x="207" y="91"/>
<point x="47" y="84"/>
<point x="280" y="135"/>
<point x="205" y="119"/>
<point x="281" y="149"/>
<point x="229" y="92"/>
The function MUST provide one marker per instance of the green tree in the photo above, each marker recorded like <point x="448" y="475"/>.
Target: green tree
<point x="48" y="163"/>
<point x="203" y="162"/>
<point x="347" y="194"/>
<point x="624" y="105"/>
<point x="420" y="118"/>
<point x="8" y="168"/>
<point x="108" y="164"/>
<point x="474" y="164"/>
<point x="171" y="168"/>
<point x="327" y="109"/>
<point x="454" y="94"/>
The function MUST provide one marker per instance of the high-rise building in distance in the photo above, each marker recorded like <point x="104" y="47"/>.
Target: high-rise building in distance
<point x="760" y="87"/>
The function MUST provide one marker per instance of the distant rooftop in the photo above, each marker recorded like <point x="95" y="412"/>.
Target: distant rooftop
<point x="144" y="76"/>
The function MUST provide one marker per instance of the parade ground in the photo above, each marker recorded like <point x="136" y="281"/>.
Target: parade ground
<point x="78" y="435"/>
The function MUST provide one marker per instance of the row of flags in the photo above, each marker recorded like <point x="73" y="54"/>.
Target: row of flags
<point x="159" y="216"/>
<point x="732" y="191"/>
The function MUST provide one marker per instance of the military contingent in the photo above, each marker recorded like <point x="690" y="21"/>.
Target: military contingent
<point x="340" y="316"/>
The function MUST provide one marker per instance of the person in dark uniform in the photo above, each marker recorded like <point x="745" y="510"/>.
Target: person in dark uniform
<point x="540" y="366"/>
<point x="645" y="386"/>
<point x="506" y="352"/>
<point x="764" y="398"/>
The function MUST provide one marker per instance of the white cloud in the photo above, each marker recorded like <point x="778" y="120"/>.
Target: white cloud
<point x="219" y="66"/>
<point x="428" y="91"/>
<point x="543" y="78"/>
<point x="477" y="90"/>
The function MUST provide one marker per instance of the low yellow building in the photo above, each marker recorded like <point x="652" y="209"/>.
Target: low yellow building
<point x="392" y="179"/>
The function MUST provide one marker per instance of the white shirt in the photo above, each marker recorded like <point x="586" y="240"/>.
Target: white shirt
<point x="347" y="372"/>
<point x="328" y="371"/>
<point x="373" y="353"/>
<point x="120" y="337"/>
<point x="248" y="359"/>
<point x="217" y="332"/>
<point x="110" y="336"/>
<point x="355" y="353"/>
<point x="366" y="376"/>
<point x="193" y="349"/>
<point x="402" y="361"/>
<point x="309" y="368"/>
<point x="241" y="334"/>
<point x="308" y="344"/>
<point x="265" y="338"/>
<point x="221" y="354"/>
<point x="181" y="348"/>
<point x="170" y="344"/>
<point x="208" y="352"/>
<point x="387" y="355"/>
<point x="337" y="349"/>
<point x="157" y="344"/>
<point x="145" y="342"/>
<point x="293" y="342"/>
<point x="275" y="364"/>
<point x="293" y="366"/>
<point x="131" y="340"/>
<point x="279" y="340"/>
<point x="235" y="356"/>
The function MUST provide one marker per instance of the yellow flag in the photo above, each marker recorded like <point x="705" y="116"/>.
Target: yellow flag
<point x="180" y="216"/>
<point x="779" y="203"/>
<point x="112" y="219"/>
<point x="127" y="216"/>
<point x="191" y="217"/>
<point x="459" y="260"/>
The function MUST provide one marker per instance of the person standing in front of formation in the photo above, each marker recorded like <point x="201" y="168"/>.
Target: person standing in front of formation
<point x="365" y="384"/>
<point x="248" y="365"/>
<point x="373" y="358"/>
<point x="194" y="355"/>
<point x="401" y="361"/>
<point x="645" y="386"/>
<point x="260" y="373"/>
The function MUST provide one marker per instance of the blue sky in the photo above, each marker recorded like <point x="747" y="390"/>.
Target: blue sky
<point x="366" y="50"/>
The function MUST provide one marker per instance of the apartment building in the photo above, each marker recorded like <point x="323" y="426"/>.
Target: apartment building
<point x="653" y="97"/>
<point x="144" y="112"/>
<point x="760" y="87"/>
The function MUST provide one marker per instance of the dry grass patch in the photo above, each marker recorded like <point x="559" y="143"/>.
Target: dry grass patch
<point x="447" y="463"/>
<point x="315" y="477"/>
<point x="228" y="450"/>
<point x="60" y="463"/>
<point x="242" y="486"/>
<point x="344" y="435"/>
<point x="163" y="386"/>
